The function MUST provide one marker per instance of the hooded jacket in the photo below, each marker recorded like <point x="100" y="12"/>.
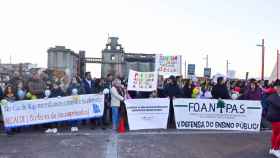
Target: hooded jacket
<point x="273" y="114"/>
<point x="220" y="91"/>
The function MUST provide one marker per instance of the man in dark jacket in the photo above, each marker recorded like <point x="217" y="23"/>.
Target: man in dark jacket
<point x="220" y="90"/>
<point x="88" y="84"/>
<point x="172" y="89"/>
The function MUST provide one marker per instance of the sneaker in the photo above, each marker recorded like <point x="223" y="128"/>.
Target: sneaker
<point x="48" y="130"/>
<point x="54" y="130"/>
<point x="271" y="151"/>
<point x="74" y="129"/>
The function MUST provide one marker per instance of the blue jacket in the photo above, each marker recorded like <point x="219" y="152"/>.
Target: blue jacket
<point x="89" y="89"/>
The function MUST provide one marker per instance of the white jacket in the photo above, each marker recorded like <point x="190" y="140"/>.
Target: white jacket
<point x="116" y="98"/>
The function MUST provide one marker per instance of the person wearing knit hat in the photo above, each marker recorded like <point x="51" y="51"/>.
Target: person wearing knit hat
<point x="273" y="115"/>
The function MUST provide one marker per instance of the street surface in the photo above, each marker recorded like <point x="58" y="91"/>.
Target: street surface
<point x="140" y="144"/>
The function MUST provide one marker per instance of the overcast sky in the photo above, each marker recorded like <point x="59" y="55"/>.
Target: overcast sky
<point x="193" y="28"/>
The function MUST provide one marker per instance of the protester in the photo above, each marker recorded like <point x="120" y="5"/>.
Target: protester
<point x="172" y="91"/>
<point x="188" y="89"/>
<point x="36" y="86"/>
<point x="253" y="92"/>
<point x="99" y="86"/>
<point x="88" y="84"/>
<point x="56" y="90"/>
<point x="107" y="103"/>
<point x="274" y="117"/>
<point x="21" y="92"/>
<point x="9" y="95"/>
<point x="116" y="98"/>
<point x="220" y="90"/>
<point x="160" y="87"/>
<point x="75" y="87"/>
<point x="15" y="80"/>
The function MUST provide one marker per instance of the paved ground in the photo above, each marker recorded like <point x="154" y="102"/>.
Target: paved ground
<point x="143" y="144"/>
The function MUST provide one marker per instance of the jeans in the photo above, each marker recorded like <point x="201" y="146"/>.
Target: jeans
<point x="115" y="117"/>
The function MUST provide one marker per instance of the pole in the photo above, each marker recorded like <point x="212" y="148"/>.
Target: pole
<point x="262" y="73"/>
<point x="185" y="68"/>
<point x="227" y="68"/>
<point x="277" y="65"/>
<point x="207" y="61"/>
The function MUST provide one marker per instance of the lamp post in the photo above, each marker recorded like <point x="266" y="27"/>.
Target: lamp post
<point x="262" y="68"/>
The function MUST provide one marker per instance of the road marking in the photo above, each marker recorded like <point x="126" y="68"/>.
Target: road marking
<point x="112" y="147"/>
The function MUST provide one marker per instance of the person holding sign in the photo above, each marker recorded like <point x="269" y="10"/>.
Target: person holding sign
<point x="220" y="90"/>
<point x="273" y="116"/>
<point x="116" y="98"/>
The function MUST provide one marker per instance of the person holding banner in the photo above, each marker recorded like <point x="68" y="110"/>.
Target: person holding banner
<point x="116" y="98"/>
<point x="172" y="90"/>
<point x="273" y="116"/>
<point x="220" y="90"/>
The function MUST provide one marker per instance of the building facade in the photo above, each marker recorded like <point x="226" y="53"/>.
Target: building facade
<point x="60" y="58"/>
<point x="115" y="61"/>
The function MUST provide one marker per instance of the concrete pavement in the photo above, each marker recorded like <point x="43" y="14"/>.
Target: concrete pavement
<point x="142" y="144"/>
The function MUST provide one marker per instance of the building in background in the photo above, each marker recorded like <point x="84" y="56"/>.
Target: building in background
<point x="115" y="61"/>
<point x="60" y="58"/>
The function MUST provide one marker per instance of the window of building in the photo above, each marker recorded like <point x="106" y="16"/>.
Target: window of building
<point x="113" y="57"/>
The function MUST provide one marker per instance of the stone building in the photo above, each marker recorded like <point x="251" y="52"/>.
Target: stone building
<point x="118" y="63"/>
<point x="60" y="58"/>
<point x="114" y="60"/>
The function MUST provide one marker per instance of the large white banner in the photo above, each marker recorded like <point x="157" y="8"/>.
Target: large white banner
<point x="30" y="112"/>
<point x="239" y="115"/>
<point x="142" y="81"/>
<point x="147" y="113"/>
<point x="168" y="65"/>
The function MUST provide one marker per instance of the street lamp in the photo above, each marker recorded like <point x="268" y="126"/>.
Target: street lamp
<point x="262" y="68"/>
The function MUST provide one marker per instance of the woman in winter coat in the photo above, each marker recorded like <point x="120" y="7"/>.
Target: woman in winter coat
<point x="75" y="87"/>
<point x="273" y="116"/>
<point x="117" y="97"/>
<point x="253" y="92"/>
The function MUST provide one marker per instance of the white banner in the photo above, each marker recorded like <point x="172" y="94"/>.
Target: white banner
<point x="169" y="65"/>
<point x="30" y="112"/>
<point x="147" y="113"/>
<point x="239" y="115"/>
<point x="142" y="81"/>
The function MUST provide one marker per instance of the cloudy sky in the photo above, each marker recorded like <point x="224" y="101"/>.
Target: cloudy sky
<point x="193" y="28"/>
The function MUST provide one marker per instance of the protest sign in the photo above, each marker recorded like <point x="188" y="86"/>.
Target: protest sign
<point x="168" y="65"/>
<point x="191" y="69"/>
<point x="147" y="113"/>
<point x="240" y="115"/>
<point x="207" y="72"/>
<point x="142" y="81"/>
<point x="31" y="112"/>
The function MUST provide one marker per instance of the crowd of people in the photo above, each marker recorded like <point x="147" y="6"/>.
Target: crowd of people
<point x="115" y="90"/>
